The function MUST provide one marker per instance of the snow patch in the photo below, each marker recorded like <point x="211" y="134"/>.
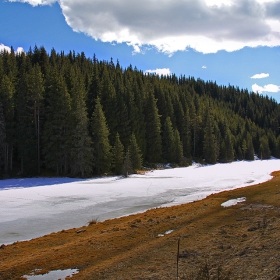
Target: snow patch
<point x="233" y="202"/>
<point x="34" y="207"/>
<point x="53" y="275"/>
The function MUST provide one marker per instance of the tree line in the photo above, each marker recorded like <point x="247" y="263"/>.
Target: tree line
<point x="66" y="114"/>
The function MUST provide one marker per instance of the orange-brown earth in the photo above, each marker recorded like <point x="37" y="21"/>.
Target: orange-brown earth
<point x="240" y="242"/>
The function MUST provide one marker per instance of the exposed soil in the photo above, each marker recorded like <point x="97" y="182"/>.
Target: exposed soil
<point x="240" y="242"/>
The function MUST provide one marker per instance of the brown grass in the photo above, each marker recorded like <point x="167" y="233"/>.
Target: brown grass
<point x="243" y="240"/>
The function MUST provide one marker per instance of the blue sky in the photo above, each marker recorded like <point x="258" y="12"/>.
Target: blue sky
<point x="233" y="42"/>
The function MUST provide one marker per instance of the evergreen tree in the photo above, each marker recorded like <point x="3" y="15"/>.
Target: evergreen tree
<point x="244" y="148"/>
<point x="277" y="153"/>
<point x="168" y="141"/>
<point x="186" y="135"/>
<point x="7" y="91"/>
<point x="118" y="155"/>
<point x="226" y="148"/>
<point x="135" y="154"/>
<point x="209" y="142"/>
<point x="127" y="165"/>
<point x="25" y="131"/>
<point x="264" y="152"/>
<point x="102" y="156"/>
<point x="57" y="136"/>
<point x="249" y="155"/>
<point x="153" y="137"/>
<point x="108" y="101"/>
<point x="2" y="139"/>
<point x="81" y="150"/>
<point x="35" y="97"/>
<point x="94" y="90"/>
<point x="178" y="147"/>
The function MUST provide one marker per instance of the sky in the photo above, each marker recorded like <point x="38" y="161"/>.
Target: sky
<point x="234" y="42"/>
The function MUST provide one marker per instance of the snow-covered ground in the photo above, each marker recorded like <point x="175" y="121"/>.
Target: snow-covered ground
<point x="34" y="207"/>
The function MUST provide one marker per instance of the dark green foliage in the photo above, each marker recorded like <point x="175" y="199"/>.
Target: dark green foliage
<point x="118" y="156"/>
<point x="57" y="129"/>
<point x="249" y="153"/>
<point x="168" y="141"/>
<point x="2" y="139"/>
<point x="102" y="157"/>
<point x="81" y="157"/>
<point x="178" y="147"/>
<point x="264" y="151"/>
<point x="226" y="148"/>
<point x="209" y="141"/>
<point x="153" y="137"/>
<point x="48" y="99"/>
<point x="135" y="154"/>
<point x="127" y="165"/>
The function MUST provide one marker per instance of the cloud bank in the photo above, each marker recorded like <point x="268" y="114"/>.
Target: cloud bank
<point x="267" y="88"/>
<point x="8" y="49"/>
<point x="260" y="76"/>
<point x="160" y="71"/>
<point x="204" y="25"/>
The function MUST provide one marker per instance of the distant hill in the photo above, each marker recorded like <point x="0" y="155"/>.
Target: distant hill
<point x="67" y="114"/>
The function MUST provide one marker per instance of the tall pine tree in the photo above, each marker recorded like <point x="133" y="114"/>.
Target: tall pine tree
<point x="102" y="156"/>
<point x="118" y="155"/>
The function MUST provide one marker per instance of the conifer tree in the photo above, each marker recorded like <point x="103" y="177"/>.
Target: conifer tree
<point x="25" y="131"/>
<point x="178" y="147"/>
<point x="118" y="155"/>
<point x="35" y="97"/>
<point x="226" y="149"/>
<point x="135" y="154"/>
<point x="81" y="145"/>
<point x="209" y="142"/>
<point x="108" y="101"/>
<point x="264" y="152"/>
<point x="127" y="164"/>
<point x="249" y="154"/>
<point x="56" y="137"/>
<point x="2" y="139"/>
<point x="244" y="148"/>
<point x="168" y="141"/>
<point x="153" y="129"/>
<point x="94" y="90"/>
<point x="277" y="153"/>
<point x="186" y="135"/>
<point x="102" y="157"/>
<point x="7" y="91"/>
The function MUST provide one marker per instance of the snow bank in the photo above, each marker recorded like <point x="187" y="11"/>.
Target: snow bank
<point x="34" y="207"/>
<point x="233" y="202"/>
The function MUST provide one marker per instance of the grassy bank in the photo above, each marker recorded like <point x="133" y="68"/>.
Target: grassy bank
<point x="239" y="242"/>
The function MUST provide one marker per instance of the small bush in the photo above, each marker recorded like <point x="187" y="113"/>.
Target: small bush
<point x="93" y="221"/>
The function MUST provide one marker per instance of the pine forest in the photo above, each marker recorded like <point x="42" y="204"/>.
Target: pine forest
<point x="69" y="115"/>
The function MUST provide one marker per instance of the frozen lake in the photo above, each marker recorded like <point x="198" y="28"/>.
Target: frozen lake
<point x="34" y="207"/>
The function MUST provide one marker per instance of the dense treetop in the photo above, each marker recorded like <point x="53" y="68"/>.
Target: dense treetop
<point x="67" y="114"/>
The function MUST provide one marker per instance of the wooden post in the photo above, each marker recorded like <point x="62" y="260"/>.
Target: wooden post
<point x="178" y="252"/>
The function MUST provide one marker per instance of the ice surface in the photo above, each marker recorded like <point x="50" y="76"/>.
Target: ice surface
<point x="232" y="202"/>
<point x="53" y="275"/>
<point x="34" y="207"/>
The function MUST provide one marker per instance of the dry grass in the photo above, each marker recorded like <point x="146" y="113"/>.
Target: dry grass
<point x="243" y="240"/>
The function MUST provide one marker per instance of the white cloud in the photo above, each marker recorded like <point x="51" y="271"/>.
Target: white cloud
<point x="260" y="76"/>
<point x="35" y="2"/>
<point x="204" y="25"/>
<point x="267" y="88"/>
<point x="160" y="71"/>
<point x="204" y="67"/>
<point x="8" y="49"/>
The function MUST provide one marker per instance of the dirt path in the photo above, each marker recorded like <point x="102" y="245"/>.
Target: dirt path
<point x="242" y="242"/>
